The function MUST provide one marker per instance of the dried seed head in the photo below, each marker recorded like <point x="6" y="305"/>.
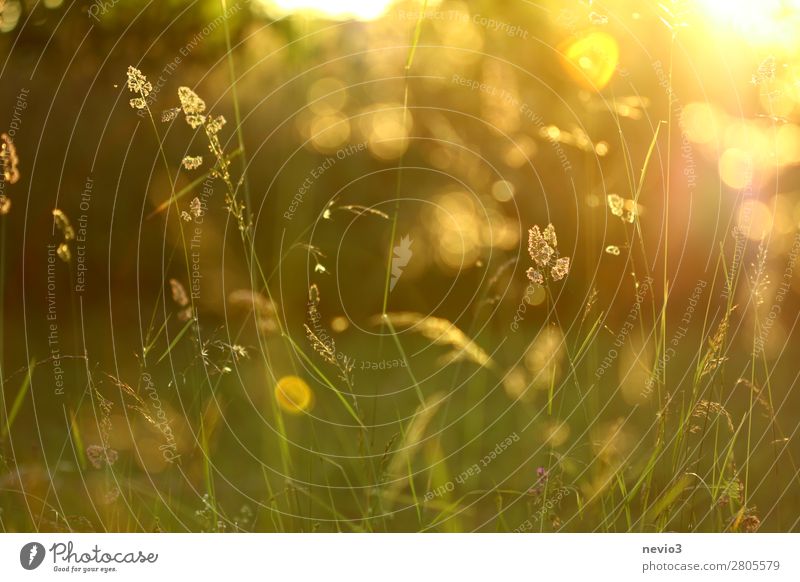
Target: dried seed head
<point x="98" y="455"/>
<point x="612" y="250"/>
<point x="549" y="236"/>
<point x="64" y="253"/>
<point x="196" y="207"/>
<point x="169" y="114"/>
<point x="192" y="162"/>
<point x="191" y="102"/>
<point x="631" y="211"/>
<point x="239" y="352"/>
<point x="179" y="295"/>
<point x="560" y="268"/>
<point x="138" y="103"/>
<point x="263" y="309"/>
<point x="706" y="409"/>
<point x="627" y="210"/>
<point x="542" y="248"/>
<point x="616" y="203"/>
<point x="195" y="121"/>
<point x="137" y="82"/>
<point x="5" y="204"/>
<point x="540" y="251"/>
<point x="535" y="276"/>
<point x="598" y="19"/>
<point x="765" y="73"/>
<point x="63" y="224"/>
<point x="441" y="332"/>
<point x="9" y="159"/>
<point x="751" y="523"/>
<point x="181" y="299"/>
<point x="216" y="124"/>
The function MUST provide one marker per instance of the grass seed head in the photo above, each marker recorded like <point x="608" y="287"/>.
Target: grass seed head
<point x="138" y="83"/>
<point x="192" y="162"/>
<point x="9" y="159"/>
<point x="191" y="103"/>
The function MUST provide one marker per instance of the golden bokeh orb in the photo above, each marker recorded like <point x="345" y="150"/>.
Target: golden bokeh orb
<point x="293" y="395"/>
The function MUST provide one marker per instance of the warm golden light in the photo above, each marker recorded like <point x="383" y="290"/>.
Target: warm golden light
<point x="766" y="22"/>
<point x="341" y="9"/>
<point x="592" y="59"/>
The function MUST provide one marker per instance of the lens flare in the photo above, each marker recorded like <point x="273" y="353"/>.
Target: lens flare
<point x="591" y="59"/>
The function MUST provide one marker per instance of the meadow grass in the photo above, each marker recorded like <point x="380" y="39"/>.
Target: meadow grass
<point x="425" y="459"/>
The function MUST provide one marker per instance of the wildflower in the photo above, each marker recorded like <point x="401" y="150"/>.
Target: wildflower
<point x="138" y="83"/>
<point x="5" y="204"/>
<point x="750" y="523"/>
<point x="138" y="103"/>
<point x="612" y="250"/>
<point x="293" y="395"/>
<point x="542" y="475"/>
<point x="192" y="162"/>
<point x="185" y="216"/>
